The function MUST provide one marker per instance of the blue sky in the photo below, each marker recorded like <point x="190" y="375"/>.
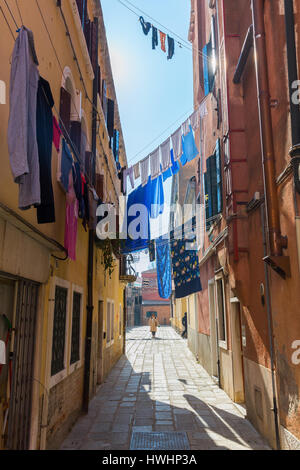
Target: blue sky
<point x="153" y="93"/>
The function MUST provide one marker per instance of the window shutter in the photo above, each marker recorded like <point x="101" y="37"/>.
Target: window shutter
<point x="88" y="165"/>
<point x="205" y="70"/>
<point x="64" y="111"/>
<point x="110" y="117"/>
<point x="219" y="177"/>
<point x="211" y="73"/>
<point x="94" y="46"/>
<point x="116" y="144"/>
<point x="75" y="134"/>
<point x="99" y="81"/>
<point x="104" y="99"/>
<point x="213" y="179"/>
<point x="87" y="34"/>
<point x="100" y="186"/>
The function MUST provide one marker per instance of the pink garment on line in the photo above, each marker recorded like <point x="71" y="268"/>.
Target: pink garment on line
<point x="71" y="220"/>
<point x="56" y="133"/>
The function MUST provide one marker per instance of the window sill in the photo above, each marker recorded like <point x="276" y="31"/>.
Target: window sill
<point x="55" y="379"/>
<point x="223" y="345"/>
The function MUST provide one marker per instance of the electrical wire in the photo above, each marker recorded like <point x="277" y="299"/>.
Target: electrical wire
<point x="11" y="14"/>
<point x="6" y="20"/>
<point x="160" y="135"/>
<point x="62" y="71"/>
<point x="19" y="12"/>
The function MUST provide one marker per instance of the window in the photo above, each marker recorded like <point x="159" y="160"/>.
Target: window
<point x="110" y="314"/>
<point x="76" y="319"/>
<point x="220" y="298"/>
<point x="120" y="320"/>
<point x="213" y="186"/>
<point x="59" y="330"/>
<point x="210" y="60"/>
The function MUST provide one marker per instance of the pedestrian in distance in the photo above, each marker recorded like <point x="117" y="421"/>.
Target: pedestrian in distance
<point x="184" y="323"/>
<point x="153" y="323"/>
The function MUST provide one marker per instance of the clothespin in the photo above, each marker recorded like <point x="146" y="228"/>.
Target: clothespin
<point x="18" y="30"/>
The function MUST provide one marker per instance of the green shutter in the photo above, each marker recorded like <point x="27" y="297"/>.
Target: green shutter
<point x="219" y="177"/>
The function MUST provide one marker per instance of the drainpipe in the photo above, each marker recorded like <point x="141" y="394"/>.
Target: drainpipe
<point x="270" y="330"/>
<point x="294" y="108"/>
<point x="276" y="241"/>
<point x="272" y="223"/>
<point x="90" y="300"/>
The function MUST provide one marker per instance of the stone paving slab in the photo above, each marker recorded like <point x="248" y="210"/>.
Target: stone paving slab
<point x="159" y="386"/>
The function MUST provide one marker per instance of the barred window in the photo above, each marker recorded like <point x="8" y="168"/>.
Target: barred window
<point x="59" y="330"/>
<point x="75" y="342"/>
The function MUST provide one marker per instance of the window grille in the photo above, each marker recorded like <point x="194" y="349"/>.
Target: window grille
<point x="75" y="343"/>
<point x="59" y="330"/>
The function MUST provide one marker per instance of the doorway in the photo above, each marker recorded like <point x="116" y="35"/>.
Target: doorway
<point x="20" y="299"/>
<point x="100" y="343"/>
<point x="237" y="350"/>
<point x="213" y="328"/>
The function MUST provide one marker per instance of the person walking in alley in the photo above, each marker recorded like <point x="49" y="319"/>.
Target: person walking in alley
<point x="153" y="323"/>
<point x="184" y="323"/>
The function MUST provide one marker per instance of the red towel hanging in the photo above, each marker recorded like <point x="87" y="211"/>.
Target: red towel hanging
<point x="163" y="41"/>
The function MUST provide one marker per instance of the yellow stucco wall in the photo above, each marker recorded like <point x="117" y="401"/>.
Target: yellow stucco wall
<point x="72" y="272"/>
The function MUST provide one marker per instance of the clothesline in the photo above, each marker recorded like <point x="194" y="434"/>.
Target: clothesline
<point x="164" y="159"/>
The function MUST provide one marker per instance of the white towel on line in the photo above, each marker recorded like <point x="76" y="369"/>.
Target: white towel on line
<point x="186" y="127"/>
<point x="155" y="163"/>
<point x="165" y="155"/>
<point x="144" y="167"/>
<point x="136" y="170"/>
<point x="177" y="143"/>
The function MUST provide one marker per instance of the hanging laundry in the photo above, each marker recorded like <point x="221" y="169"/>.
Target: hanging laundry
<point x="185" y="127"/>
<point x="151" y="247"/>
<point x="56" y="134"/>
<point x="200" y="222"/>
<point x="156" y="197"/>
<point x="136" y="171"/>
<point x="144" y="166"/>
<point x="177" y="143"/>
<point x="44" y="130"/>
<point x="140" y="198"/>
<point x="145" y="26"/>
<point x="21" y="132"/>
<point x="71" y="220"/>
<point x="128" y="172"/>
<point x="162" y="41"/>
<point x="2" y="352"/>
<point x="171" y="47"/>
<point x="66" y="165"/>
<point x="165" y="155"/>
<point x="163" y="267"/>
<point x="203" y="109"/>
<point x="195" y="119"/>
<point x="78" y="189"/>
<point x="183" y="158"/>
<point x="155" y="163"/>
<point x="154" y="37"/>
<point x="175" y="165"/>
<point x="185" y="263"/>
<point x="85" y="196"/>
<point x="93" y="204"/>
<point x="189" y="146"/>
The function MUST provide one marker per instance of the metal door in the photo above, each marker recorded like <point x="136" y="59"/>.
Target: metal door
<point x="19" y="415"/>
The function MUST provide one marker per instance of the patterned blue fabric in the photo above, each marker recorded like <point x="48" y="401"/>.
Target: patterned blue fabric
<point x="163" y="267"/>
<point x="185" y="263"/>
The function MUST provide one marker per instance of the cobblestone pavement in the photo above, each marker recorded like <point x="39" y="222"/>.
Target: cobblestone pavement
<point x="158" y="386"/>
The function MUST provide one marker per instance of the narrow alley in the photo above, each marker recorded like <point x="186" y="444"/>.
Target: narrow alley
<point x="158" y="387"/>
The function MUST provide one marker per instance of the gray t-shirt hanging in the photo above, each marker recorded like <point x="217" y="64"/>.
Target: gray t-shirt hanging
<point x="21" y="134"/>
